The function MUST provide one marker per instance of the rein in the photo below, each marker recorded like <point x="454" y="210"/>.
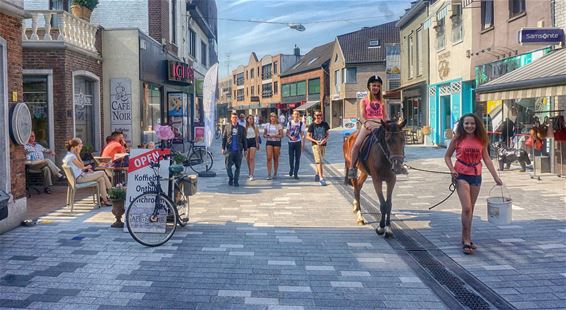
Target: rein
<point x="451" y="187"/>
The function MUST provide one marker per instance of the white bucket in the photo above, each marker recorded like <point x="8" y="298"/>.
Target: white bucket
<point x="499" y="210"/>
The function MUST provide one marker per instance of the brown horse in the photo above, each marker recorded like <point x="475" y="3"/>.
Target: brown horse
<point x="384" y="162"/>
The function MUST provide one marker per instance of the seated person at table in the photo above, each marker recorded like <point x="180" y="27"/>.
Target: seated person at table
<point x="84" y="173"/>
<point x="36" y="161"/>
<point x="116" y="150"/>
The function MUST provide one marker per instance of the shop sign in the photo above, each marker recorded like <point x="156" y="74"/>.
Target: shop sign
<point x="139" y="176"/>
<point x="20" y="123"/>
<point x="361" y="95"/>
<point x="180" y="72"/>
<point x="490" y="71"/>
<point x="121" y="107"/>
<point x="541" y="35"/>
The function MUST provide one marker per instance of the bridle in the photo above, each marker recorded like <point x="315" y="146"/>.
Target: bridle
<point x="387" y="151"/>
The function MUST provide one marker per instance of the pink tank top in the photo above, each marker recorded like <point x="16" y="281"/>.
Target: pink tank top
<point x="469" y="153"/>
<point x="374" y="109"/>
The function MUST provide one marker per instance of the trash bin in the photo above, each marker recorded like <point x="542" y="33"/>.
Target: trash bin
<point x="4" y="198"/>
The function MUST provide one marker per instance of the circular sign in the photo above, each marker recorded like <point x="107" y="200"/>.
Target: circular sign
<point x="20" y="123"/>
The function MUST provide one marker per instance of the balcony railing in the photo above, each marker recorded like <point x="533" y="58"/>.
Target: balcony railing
<point x="59" y="26"/>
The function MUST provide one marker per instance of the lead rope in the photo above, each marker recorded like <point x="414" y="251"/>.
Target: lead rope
<point x="451" y="187"/>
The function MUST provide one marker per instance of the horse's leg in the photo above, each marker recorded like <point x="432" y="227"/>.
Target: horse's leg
<point x="378" y="186"/>
<point x="389" y="205"/>
<point x="358" y="184"/>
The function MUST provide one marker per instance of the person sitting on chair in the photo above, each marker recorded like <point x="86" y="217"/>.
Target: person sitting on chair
<point x="116" y="150"/>
<point x="372" y="111"/>
<point x="34" y="154"/>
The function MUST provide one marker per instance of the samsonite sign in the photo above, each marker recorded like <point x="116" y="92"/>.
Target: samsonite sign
<point x="541" y="35"/>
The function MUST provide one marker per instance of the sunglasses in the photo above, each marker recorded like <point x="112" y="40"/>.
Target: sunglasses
<point x="318" y="115"/>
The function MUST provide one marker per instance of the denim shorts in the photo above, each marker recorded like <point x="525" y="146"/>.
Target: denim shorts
<point x="473" y="180"/>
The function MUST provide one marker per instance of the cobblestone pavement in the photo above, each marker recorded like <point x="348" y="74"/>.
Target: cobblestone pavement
<point x="281" y="244"/>
<point x="524" y="262"/>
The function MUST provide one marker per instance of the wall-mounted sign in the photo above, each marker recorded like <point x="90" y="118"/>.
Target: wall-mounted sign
<point x="541" y="35"/>
<point x="361" y="95"/>
<point x="180" y="72"/>
<point x="20" y="123"/>
<point x="121" y="107"/>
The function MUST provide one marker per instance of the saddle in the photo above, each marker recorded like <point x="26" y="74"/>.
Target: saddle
<point x="376" y="136"/>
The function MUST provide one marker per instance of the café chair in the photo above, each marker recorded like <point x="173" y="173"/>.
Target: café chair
<point x="74" y="186"/>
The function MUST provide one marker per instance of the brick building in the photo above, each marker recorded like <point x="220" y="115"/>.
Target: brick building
<point x="256" y="87"/>
<point x="305" y="86"/>
<point x="12" y="177"/>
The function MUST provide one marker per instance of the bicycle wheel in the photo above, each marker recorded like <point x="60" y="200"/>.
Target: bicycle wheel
<point x="181" y="203"/>
<point x="151" y="219"/>
<point x="200" y="160"/>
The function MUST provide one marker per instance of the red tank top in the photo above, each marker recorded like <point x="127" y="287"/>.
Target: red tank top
<point x="469" y="153"/>
<point x="374" y="109"/>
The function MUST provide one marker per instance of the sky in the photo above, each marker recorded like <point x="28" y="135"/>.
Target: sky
<point x="323" y="20"/>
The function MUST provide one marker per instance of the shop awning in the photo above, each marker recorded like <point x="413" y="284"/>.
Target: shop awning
<point x="544" y="77"/>
<point x="307" y="105"/>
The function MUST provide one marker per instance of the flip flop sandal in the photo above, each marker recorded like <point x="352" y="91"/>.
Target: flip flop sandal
<point x="467" y="248"/>
<point x="472" y="245"/>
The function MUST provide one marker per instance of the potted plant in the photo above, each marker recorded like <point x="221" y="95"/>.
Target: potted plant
<point x="83" y="8"/>
<point x="118" y="196"/>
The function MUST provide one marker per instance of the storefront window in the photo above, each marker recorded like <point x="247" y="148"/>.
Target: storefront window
<point x="84" y="111"/>
<point x="151" y="113"/>
<point x="413" y="111"/>
<point x="35" y="96"/>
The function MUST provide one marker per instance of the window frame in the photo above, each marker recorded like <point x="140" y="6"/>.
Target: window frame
<point x="513" y="4"/>
<point x="310" y="83"/>
<point x="355" y="76"/>
<point x="484" y="6"/>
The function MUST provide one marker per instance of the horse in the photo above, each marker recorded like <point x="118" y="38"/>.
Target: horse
<point x="384" y="162"/>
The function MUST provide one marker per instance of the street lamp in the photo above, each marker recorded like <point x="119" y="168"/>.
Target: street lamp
<point x="298" y="27"/>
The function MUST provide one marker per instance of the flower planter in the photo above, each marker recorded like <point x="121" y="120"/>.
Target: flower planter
<point x="118" y="210"/>
<point x="81" y="12"/>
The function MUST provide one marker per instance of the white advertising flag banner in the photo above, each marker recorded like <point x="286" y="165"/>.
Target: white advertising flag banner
<point x="209" y="103"/>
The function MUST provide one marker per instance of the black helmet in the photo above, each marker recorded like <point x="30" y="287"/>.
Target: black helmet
<point x="374" y="78"/>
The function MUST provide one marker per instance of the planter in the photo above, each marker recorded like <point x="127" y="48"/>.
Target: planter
<point x="118" y="210"/>
<point x="81" y="12"/>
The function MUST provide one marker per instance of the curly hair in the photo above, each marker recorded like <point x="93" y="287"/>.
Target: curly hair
<point x="479" y="133"/>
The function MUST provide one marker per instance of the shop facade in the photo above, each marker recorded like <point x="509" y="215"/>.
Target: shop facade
<point x="147" y="86"/>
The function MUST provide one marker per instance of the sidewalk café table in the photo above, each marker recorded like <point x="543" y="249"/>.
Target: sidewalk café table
<point x="119" y="175"/>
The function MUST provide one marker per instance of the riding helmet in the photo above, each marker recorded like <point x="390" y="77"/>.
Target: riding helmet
<point x="374" y="78"/>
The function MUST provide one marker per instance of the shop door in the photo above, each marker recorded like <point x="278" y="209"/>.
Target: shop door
<point x="445" y="117"/>
<point x="36" y="98"/>
<point x="84" y="112"/>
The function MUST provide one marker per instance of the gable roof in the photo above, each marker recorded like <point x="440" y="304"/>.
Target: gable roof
<point x="314" y="59"/>
<point x="355" y="44"/>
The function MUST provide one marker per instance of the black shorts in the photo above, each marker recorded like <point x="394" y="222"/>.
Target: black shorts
<point x="251" y="142"/>
<point x="473" y="180"/>
<point x="273" y="143"/>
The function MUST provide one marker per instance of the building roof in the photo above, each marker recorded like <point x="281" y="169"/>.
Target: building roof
<point x="540" y="73"/>
<point x="356" y="45"/>
<point x="416" y="8"/>
<point x="314" y="59"/>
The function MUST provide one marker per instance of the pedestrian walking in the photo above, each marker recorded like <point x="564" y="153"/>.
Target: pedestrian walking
<point x="470" y="144"/>
<point x="252" y="140"/>
<point x="318" y="133"/>
<point x="273" y="133"/>
<point x="242" y="120"/>
<point x="84" y="173"/>
<point x="233" y="144"/>
<point x="309" y="119"/>
<point x="372" y="111"/>
<point x="296" y="134"/>
<point x="282" y="119"/>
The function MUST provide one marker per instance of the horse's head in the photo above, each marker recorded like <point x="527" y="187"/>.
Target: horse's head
<point x="394" y="139"/>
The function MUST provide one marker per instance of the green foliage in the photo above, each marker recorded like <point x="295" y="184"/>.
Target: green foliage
<point x="179" y="158"/>
<point x="117" y="193"/>
<point x="89" y="4"/>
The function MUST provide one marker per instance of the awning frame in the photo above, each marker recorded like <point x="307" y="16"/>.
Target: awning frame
<point x="307" y="105"/>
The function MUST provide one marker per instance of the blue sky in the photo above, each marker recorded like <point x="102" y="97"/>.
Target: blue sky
<point x="239" y="39"/>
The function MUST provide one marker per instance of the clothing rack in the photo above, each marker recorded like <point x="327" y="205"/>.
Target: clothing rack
<point x="534" y="175"/>
<point x="548" y="111"/>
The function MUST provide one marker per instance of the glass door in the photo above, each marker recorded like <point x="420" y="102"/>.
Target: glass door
<point x="36" y="98"/>
<point x="84" y="111"/>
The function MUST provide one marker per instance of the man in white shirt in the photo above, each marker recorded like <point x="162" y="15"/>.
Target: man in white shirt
<point x="35" y="160"/>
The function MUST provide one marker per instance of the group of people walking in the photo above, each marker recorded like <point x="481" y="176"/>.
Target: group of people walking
<point x="241" y="139"/>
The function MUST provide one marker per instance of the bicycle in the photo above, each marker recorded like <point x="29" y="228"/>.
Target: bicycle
<point x="199" y="159"/>
<point x="152" y="217"/>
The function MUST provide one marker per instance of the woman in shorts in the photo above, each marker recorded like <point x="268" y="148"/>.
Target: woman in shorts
<point x="273" y="133"/>
<point x="252" y="139"/>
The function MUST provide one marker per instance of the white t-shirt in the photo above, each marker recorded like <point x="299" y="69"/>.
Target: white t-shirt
<point x="272" y="131"/>
<point x="68" y="160"/>
<point x="295" y="129"/>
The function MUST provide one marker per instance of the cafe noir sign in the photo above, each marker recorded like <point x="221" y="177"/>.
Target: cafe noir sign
<point x="541" y="35"/>
<point x="180" y="72"/>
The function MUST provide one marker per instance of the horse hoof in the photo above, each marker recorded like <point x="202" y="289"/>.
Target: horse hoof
<point x="380" y="230"/>
<point x="388" y="232"/>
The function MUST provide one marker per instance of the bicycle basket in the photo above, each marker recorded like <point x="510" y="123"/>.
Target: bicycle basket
<point x="188" y="184"/>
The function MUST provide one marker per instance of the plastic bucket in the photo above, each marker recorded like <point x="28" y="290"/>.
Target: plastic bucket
<point x="499" y="209"/>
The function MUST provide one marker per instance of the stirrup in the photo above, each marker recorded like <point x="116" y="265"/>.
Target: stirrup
<point x="352" y="173"/>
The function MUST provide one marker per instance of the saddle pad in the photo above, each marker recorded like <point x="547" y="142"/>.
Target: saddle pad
<point x="374" y="137"/>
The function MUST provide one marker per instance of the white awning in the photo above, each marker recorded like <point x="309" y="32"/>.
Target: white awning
<point x="442" y="12"/>
<point x="307" y="105"/>
<point x="549" y="91"/>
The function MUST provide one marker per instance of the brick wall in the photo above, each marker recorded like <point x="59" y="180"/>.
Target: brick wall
<point x="11" y="31"/>
<point x="63" y="62"/>
<point x="314" y="74"/>
<point x="560" y="13"/>
<point x="158" y="17"/>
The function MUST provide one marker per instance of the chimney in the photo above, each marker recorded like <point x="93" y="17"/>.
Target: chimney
<point x="297" y="51"/>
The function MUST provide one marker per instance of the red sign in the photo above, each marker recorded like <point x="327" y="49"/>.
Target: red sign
<point x="145" y="159"/>
<point x="180" y="72"/>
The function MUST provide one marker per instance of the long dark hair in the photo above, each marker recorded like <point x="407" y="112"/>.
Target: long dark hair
<point x="479" y="133"/>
